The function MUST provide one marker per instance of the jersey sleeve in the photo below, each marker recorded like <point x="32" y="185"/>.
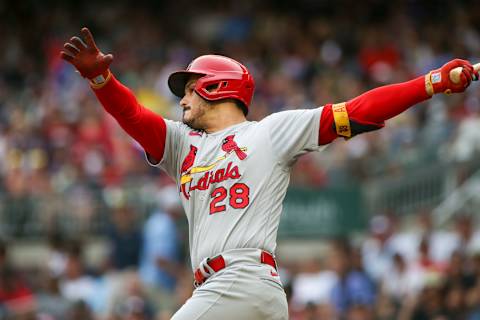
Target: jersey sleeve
<point x="175" y="143"/>
<point x="143" y="125"/>
<point x="293" y="133"/>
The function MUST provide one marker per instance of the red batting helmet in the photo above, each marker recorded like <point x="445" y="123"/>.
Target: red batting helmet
<point x="222" y="77"/>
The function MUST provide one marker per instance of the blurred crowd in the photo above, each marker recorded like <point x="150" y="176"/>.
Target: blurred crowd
<point x="391" y="272"/>
<point x="62" y="155"/>
<point x="65" y="165"/>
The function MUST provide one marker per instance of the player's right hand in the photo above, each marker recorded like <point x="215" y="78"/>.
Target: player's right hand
<point x="438" y="80"/>
<point x="85" y="56"/>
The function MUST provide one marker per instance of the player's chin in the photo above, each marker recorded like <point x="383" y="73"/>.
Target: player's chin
<point x="186" y="118"/>
<point x="190" y="122"/>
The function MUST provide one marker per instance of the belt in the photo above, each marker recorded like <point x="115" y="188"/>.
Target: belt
<point x="217" y="263"/>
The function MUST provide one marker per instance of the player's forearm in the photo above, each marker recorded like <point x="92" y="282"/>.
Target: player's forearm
<point x="369" y="111"/>
<point x="383" y="103"/>
<point x="143" y="125"/>
<point x="118" y="100"/>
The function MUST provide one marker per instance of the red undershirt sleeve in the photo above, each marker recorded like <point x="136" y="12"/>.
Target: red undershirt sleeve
<point x="370" y="110"/>
<point x="143" y="125"/>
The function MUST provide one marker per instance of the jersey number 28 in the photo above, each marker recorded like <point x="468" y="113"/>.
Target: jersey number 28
<point x="239" y="197"/>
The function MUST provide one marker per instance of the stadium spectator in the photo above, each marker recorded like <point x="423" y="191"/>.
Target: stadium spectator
<point x="354" y="292"/>
<point x="378" y="249"/>
<point x="312" y="285"/>
<point x="50" y="302"/>
<point x="466" y="238"/>
<point x="16" y="297"/>
<point x="76" y="284"/>
<point x="125" y="239"/>
<point x="159" y="263"/>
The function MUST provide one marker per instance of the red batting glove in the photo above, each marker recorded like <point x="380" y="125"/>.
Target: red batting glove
<point x="438" y="80"/>
<point x="86" y="58"/>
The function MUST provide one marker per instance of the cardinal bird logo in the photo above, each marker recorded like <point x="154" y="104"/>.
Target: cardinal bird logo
<point x="189" y="159"/>
<point x="230" y="145"/>
<point x="187" y="165"/>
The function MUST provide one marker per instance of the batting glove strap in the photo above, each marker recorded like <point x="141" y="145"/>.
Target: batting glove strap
<point x="101" y="80"/>
<point x="428" y="84"/>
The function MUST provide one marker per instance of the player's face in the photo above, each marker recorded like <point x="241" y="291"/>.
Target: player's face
<point x="194" y="107"/>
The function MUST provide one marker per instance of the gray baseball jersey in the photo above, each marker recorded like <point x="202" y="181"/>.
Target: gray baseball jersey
<point x="232" y="182"/>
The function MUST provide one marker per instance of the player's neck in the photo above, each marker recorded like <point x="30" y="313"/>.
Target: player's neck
<point x="223" y="124"/>
<point x="221" y="118"/>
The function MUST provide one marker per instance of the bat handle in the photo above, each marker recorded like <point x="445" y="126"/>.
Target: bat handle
<point x="455" y="73"/>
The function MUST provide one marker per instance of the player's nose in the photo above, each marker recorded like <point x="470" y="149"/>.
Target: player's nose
<point x="184" y="102"/>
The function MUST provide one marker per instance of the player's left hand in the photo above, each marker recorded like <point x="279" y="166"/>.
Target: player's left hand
<point x="85" y="56"/>
<point x="438" y="80"/>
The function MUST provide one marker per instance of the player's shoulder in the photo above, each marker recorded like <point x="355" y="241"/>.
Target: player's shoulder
<point x="182" y="129"/>
<point x="290" y="113"/>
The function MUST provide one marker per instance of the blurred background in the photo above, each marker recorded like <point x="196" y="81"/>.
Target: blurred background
<point x="382" y="227"/>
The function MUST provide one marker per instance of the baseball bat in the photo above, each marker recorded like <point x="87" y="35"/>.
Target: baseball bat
<point x="455" y="73"/>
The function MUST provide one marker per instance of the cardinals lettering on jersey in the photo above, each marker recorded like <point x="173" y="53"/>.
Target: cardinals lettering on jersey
<point x="231" y="171"/>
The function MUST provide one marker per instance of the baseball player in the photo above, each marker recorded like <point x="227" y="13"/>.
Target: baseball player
<point x="232" y="174"/>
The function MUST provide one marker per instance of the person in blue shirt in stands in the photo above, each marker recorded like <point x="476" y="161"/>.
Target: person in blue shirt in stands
<point x="354" y="294"/>
<point x="160" y="257"/>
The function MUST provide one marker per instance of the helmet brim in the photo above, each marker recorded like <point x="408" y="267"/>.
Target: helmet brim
<point x="178" y="80"/>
